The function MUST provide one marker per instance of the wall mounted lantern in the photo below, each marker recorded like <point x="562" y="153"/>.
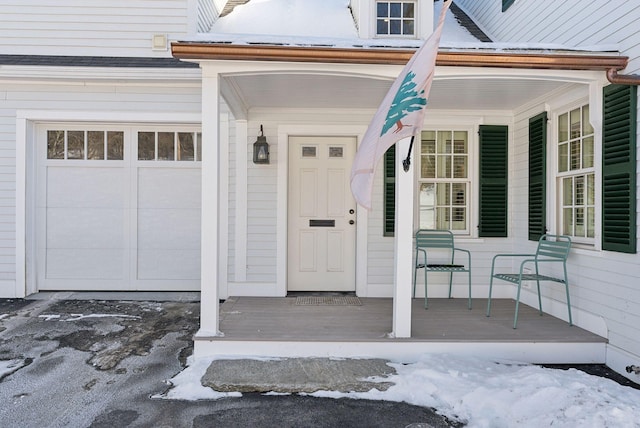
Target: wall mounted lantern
<point x="261" y="149"/>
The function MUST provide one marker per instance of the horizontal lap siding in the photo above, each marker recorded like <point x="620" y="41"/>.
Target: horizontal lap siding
<point x="593" y="22"/>
<point x="96" y="28"/>
<point x="106" y="97"/>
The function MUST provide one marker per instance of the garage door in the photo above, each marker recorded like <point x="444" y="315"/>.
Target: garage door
<point x="117" y="208"/>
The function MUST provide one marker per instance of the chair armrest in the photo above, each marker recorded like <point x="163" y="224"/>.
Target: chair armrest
<point x="464" y="251"/>
<point x="493" y="262"/>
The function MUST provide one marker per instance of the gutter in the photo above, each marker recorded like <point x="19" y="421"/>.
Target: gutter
<point x="610" y="64"/>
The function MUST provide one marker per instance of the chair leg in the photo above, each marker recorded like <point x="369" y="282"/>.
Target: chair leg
<point x="566" y="285"/>
<point x="450" y="283"/>
<point x="426" y="306"/>
<point x="469" y="288"/>
<point x="515" y="319"/>
<point x="489" y="300"/>
<point x="539" y="297"/>
<point x="415" y="273"/>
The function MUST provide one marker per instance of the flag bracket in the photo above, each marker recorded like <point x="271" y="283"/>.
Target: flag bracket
<point x="406" y="163"/>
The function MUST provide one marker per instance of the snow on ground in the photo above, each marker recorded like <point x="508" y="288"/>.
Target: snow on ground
<point x="9" y="366"/>
<point x="78" y="317"/>
<point x="481" y="393"/>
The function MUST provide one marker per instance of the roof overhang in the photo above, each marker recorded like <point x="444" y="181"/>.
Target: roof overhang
<point x="565" y="60"/>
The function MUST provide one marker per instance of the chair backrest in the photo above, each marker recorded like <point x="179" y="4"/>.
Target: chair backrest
<point x="429" y="238"/>
<point x="553" y="247"/>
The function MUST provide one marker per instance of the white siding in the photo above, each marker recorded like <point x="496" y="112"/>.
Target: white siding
<point x="95" y="28"/>
<point x="207" y="15"/>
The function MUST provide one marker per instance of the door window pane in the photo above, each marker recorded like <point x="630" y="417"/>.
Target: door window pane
<point x="146" y="145"/>
<point x="115" y="145"/>
<point x="186" y="149"/>
<point x="199" y="148"/>
<point x="166" y="146"/>
<point x="95" y="145"/>
<point x="75" y="145"/>
<point x="55" y="145"/>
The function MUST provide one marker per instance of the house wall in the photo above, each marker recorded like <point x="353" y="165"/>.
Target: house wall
<point x="261" y="274"/>
<point x="381" y="248"/>
<point x="606" y="282"/>
<point x="96" y="28"/>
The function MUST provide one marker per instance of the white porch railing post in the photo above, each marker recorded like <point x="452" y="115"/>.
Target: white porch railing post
<point x="209" y="305"/>
<point x="403" y="276"/>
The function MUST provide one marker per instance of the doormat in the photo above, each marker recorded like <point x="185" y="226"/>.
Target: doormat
<point x="328" y="301"/>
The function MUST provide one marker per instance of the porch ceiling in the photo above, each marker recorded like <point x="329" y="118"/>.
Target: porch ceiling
<point x="351" y="92"/>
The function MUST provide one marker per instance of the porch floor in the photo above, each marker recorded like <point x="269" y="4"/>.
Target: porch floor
<point x="256" y="318"/>
<point x="271" y="326"/>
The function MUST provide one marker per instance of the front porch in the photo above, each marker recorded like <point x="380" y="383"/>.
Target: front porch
<point x="278" y="327"/>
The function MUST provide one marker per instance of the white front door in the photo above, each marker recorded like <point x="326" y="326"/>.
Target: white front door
<point x="322" y="231"/>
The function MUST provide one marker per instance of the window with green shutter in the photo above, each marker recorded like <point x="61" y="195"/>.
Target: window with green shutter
<point x="619" y="169"/>
<point x="493" y="184"/>
<point x="389" y="209"/>
<point x="537" y="176"/>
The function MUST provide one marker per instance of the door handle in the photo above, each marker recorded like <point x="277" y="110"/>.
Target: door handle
<point x="352" y="211"/>
<point x="352" y="222"/>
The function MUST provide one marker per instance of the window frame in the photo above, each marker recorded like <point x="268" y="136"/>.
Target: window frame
<point x="471" y="179"/>
<point x="557" y="177"/>
<point x="415" y="20"/>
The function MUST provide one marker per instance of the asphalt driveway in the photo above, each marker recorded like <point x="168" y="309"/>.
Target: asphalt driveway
<point x="74" y="360"/>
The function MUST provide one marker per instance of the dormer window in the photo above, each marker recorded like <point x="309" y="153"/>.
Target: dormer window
<point x="396" y="18"/>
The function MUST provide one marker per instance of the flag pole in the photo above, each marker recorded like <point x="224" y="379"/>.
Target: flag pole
<point x="407" y="162"/>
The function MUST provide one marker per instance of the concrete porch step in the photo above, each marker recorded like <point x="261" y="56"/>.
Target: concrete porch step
<point x="295" y="375"/>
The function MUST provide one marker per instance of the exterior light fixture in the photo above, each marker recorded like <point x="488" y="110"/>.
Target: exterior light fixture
<point x="261" y="149"/>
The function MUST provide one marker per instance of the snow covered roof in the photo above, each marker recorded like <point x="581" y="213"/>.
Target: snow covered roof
<point x="329" y="23"/>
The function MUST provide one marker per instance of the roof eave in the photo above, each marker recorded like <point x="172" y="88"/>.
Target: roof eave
<point x="534" y="60"/>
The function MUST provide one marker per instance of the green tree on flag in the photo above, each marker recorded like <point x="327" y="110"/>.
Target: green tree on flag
<point x="406" y="100"/>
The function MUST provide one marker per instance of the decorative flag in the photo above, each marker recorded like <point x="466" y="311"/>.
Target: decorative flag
<point x="400" y="115"/>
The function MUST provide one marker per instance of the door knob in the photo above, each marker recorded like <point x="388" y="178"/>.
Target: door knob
<point x="351" y="222"/>
<point x="352" y="211"/>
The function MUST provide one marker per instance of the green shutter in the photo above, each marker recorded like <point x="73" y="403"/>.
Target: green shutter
<point x="389" y="191"/>
<point x="537" y="176"/>
<point x="619" y="169"/>
<point x="493" y="181"/>
<point x="506" y="4"/>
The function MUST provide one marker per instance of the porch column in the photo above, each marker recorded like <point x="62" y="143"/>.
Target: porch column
<point x="209" y="263"/>
<point x="403" y="276"/>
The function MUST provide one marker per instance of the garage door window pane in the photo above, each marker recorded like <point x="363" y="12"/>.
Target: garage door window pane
<point x="166" y="147"/>
<point x="115" y="145"/>
<point x="146" y="146"/>
<point x="186" y="150"/>
<point x="75" y="145"/>
<point x="95" y="145"/>
<point x="55" y="144"/>
<point x="199" y="146"/>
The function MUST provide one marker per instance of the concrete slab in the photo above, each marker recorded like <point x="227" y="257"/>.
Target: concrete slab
<point x="294" y="375"/>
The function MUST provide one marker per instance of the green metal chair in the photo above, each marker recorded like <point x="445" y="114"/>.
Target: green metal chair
<point x="551" y="249"/>
<point x="442" y="242"/>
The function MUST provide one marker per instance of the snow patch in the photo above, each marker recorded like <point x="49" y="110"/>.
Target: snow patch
<point x="479" y="392"/>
